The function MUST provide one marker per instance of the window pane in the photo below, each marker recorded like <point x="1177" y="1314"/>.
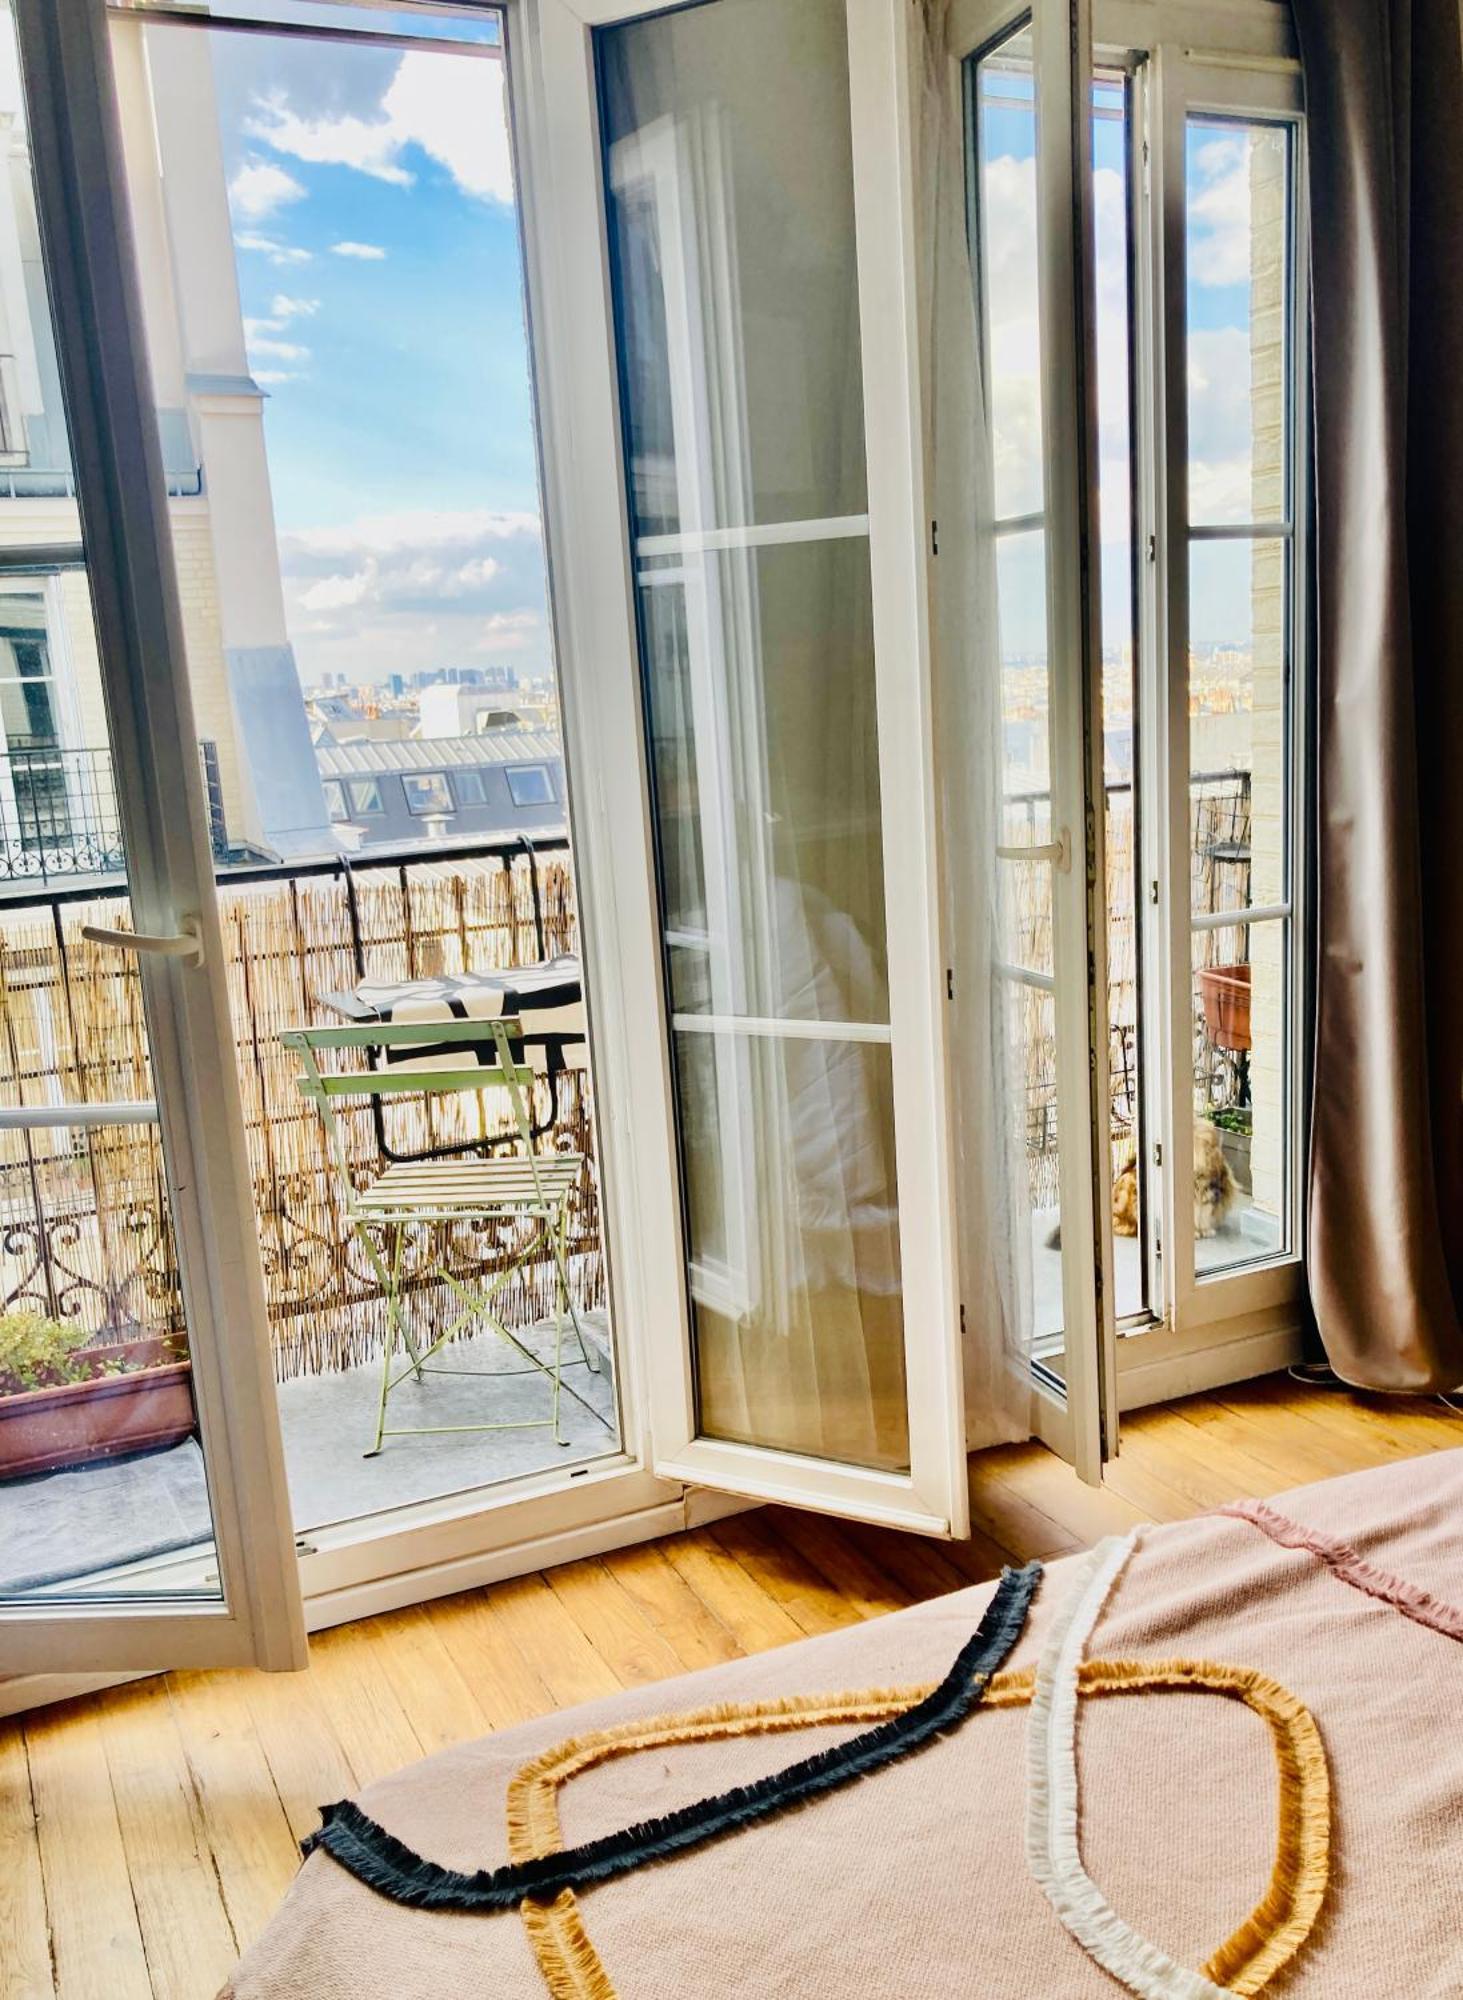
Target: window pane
<point x="731" y="218"/>
<point x="1009" y="276"/>
<point x="528" y="785"/>
<point x="1237" y="217"/>
<point x="1238" y="723"/>
<point x="767" y="789"/>
<point x="1006" y="226"/>
<point x="467" y="787"/>
<point x="1242" y="1070"/>
<point x="426" y="792"/>
<point x="794" y="1244"/>
<point x="331" y="265"/>
<point x="731" y="177"/>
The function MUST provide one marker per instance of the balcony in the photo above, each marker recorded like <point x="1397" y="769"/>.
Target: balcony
<point x="84" y="1230"/>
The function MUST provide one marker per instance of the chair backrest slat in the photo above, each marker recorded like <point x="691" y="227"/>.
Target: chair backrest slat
<point x="327" y="1088"/>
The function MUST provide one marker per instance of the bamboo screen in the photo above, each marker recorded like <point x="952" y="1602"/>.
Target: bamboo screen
<point x="83" y="1215"/>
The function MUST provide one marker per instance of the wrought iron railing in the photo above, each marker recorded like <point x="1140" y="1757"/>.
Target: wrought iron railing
<point x="59" y="817"/>
<point x="83" y="1214"/>
<point x="1220" y="823"/>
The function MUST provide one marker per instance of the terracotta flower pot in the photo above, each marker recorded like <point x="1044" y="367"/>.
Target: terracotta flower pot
<point x="147" y="1409"/>
<point x="1225" y="990"/>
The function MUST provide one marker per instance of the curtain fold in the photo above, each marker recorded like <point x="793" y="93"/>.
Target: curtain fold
<point x="1384" y="90"/>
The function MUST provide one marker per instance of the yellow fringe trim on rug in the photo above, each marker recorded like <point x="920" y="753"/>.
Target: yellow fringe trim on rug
<point x="1244" y="1964"/>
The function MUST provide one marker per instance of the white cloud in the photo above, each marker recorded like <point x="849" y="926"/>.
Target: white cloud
<point x="1221" y="422"/>
<point x="272" y="248"/>
<point x="395" y="592"/>
<point x="334" y="593"/>
<point x="370" y="148"/>
<point x="1219" y="213"/>
<point x="284" y="307"/>
<point x="260" y="189"/>
<point x="368" y="253"/>
<point x="269" y="378"/>
<point x="450" y="107"/>
<point x="453" y="108"/>
<point x="278" y="350"/>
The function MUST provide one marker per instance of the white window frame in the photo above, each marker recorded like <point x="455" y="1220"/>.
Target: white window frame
<point x="1240" y="59"/>
<point x="599" y="663"/>
<point x="257" y="1616"/>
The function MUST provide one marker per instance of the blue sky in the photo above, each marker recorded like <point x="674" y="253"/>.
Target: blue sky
<point x="1217" y="173"/>
<point x="380" y="278"/>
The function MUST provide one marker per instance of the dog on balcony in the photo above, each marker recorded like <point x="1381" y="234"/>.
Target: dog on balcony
<point x="1214" y="1188"/>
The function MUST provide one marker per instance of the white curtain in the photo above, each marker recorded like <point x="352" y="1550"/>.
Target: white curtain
<point x="989" y="1063"/>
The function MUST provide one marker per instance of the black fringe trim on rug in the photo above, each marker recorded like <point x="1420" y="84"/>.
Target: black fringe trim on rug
<point x="387" y="1865"/>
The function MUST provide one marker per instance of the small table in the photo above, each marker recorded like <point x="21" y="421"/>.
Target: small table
<point x="548" y="1000"/>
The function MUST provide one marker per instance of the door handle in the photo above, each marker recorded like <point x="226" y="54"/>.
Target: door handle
<point x="1058" y="852"/>
<point x="186" y="943"/>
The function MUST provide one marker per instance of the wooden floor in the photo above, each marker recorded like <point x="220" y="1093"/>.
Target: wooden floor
<point x="147" y="1834"/>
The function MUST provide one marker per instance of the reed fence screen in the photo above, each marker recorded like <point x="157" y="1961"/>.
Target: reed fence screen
<point x="84" y="1230"/>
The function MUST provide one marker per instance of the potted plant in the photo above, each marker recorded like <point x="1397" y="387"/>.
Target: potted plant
<point x="1225" y="991"/>
<point x="1235" y="1126"/>
<point x="65" y="1403"/>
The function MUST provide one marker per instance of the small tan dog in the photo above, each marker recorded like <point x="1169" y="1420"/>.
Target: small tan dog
<point x="1214" y="1188"/>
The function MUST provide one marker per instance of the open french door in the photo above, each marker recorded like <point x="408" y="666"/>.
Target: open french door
<point x="737" y="495"/>
<point x="85" y="1589"/>
<point x="1029" y="104"/>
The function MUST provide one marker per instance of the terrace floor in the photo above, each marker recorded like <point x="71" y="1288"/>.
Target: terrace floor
<point x="1247" y="1235"/>
<point x="66" y="1530"/>
<point x="151" y="1831"/>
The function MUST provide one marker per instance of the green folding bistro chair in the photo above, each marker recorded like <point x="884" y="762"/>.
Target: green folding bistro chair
<point x="525" y="1187"/>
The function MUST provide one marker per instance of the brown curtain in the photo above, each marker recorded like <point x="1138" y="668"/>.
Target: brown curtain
<point x="1384" y="90"/>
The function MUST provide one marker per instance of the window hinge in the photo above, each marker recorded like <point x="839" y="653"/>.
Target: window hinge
<point x="1158" y="1152"/>
<point x="1153" y="548"/>
<point x="949" y="982"/>
<point x="962" y="1315"/>
<point x="1153" y="890"/>
<point x="934" y="538"/>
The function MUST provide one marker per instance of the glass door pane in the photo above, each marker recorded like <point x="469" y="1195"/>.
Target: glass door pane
<point x="730" y="184"/>
<point x="330" y="250"/>
<point x="1011" y="221"/>
<point x="128" y="1401"/>
<point x="1240" y="329"/>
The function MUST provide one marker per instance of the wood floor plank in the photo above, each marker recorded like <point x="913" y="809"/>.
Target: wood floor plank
<point x="831" y="1550"/>
<point x="441" y="1703"/>
<point x="25" y="1945"/>
<point x="504" y="1685"/>
<point x="371" y="1722"/>
<point x="690" y="1628"/>
<point x="804" y="1593"/>
<point x="305" y="1759"/>
<point x="1086" y="1512"/>
<point x="613" y="1623"/>
<point x="96" y="1941"/>
<point x="925" y="1567"/>
<point x="254" y="1849"/>
<point x="550" y="1641"/>
<point x="751" y="1614"/>
<point x="186" y="1933"/>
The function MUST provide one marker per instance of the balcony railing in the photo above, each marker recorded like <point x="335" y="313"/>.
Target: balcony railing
<point x="84" y="1231"/>
<point x="1220" y="863"/>
<point x="59" y="817"/>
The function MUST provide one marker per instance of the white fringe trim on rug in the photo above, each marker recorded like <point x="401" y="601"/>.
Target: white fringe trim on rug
<point x="1052" y="1846"/>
